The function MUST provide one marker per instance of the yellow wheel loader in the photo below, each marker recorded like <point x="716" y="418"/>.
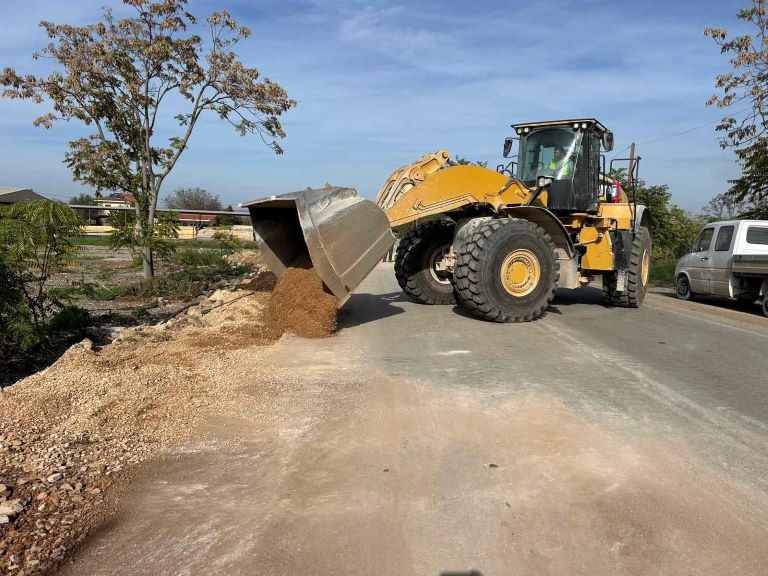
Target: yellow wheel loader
<point x="497" y="242"/>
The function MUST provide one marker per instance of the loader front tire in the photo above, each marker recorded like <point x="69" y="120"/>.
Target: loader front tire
<point x="418" y="253"/>
<point x="506" y="271"/>
<point x="637" y="274"/>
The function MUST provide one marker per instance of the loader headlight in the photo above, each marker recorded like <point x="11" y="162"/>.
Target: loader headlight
<point x="543" y="181"/>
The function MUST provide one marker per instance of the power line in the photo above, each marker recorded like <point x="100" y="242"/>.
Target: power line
<point x="676" y="134"/>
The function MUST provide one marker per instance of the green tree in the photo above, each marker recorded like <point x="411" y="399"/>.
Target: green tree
<point x="122" y="76"/>
<point x="464" y="162"/>
<point x="746" y="83"/>
<point x="82" y="200"/>
<point x="671" y="225"/>
<point x="192" y="199"/>
<point x="35" y="237"/>
<point x="227" y="241"/>
<point x="164" y="231"/>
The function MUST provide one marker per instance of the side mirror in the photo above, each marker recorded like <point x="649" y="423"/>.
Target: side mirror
<point x="608" y="141"/>
<point x="683" y="249"/>
<point x="508" y="146"/>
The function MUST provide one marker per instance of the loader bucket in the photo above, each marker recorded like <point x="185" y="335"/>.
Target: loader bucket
<point x="345" y="235"/>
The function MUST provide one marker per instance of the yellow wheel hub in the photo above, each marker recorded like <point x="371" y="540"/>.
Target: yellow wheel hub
<point x="520" y="272"/>
<point x="645" y="267"/>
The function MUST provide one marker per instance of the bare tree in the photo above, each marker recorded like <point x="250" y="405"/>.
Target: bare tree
<point x="726" y="207"/>
<point x="119" y="76"/>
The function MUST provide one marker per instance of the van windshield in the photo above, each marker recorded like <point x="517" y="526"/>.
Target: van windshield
<point x="552" y="152"/>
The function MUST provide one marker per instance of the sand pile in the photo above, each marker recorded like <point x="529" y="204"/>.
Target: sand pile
<point x="68" y="433"/>
<point x="300" y="304"/>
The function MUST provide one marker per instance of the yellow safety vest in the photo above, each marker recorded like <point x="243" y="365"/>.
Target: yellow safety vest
<point x="563" y="170"/>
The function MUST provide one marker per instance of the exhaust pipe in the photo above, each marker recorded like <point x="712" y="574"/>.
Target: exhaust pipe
<point x="345" y="235"/>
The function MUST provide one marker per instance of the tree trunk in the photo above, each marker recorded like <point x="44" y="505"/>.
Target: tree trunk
<point x="148" y="265"/>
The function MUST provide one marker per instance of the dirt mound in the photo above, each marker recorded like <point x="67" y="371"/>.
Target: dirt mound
<point x="263" y="280"/>
<point x="70" y="432"/>
<point x="300" y="304"/>
<point x="250" y="258"/>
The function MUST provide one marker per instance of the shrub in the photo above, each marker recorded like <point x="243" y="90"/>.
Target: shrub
<point x="198" y="257"/>
<point x="71" y="319"/>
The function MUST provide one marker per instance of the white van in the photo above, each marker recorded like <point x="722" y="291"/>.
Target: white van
<point x="727" y="259"/>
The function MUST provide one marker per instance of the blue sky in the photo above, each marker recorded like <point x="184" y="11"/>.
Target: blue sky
<point x="381" y="82"/>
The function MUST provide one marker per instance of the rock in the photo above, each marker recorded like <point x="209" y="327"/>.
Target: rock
<point x="11" y="508"/>
<point x="114" y="331"/>
<point x="194" y="311"/>
<point x="55" y="477"/>
<point x="4" y="520"/>
<point x="86" y="344"/>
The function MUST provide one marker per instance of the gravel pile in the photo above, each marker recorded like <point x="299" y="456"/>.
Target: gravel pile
<point x="68" y="434"/>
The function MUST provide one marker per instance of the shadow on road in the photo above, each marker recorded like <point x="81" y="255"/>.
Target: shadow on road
<point x="364" y="308"/>
<point x="563" y="297"/>
<point x="752" y="308"/>
<point x="470" y="573"/>
<point x="584" y="295"/>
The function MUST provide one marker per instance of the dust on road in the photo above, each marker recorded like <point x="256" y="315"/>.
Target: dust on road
<point x="366" y="474"/>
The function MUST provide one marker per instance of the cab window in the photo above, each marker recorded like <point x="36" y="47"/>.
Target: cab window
<point x="704" y="240"/>
<point x="724" y="237"/>
<point x="757" y="235"/>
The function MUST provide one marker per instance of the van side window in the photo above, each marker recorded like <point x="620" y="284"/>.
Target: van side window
<point x="724" y="237"/>
<point x="704" y="240"/>
<point x="757" y="235"/>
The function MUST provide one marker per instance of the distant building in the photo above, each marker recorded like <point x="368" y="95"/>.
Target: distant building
<point x="114" y="200"/>
<point x="13" y="195"/>
<point x="197" y="220"/>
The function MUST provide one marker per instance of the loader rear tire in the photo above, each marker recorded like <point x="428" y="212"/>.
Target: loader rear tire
<point x="417" y="254"/>
<point x="637" y="274"/>
<point x="507" y="271"/>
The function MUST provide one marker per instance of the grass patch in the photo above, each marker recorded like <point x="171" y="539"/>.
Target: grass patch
<point x="104" y="241"/>
<point x="105" y="273"/>
<point x="93" y="291"/>
<point x="91" y="241"/>
<point x="65" y="292"/>
<point x="187" y="283"/>
<point x="139" y="312"/>
<point x="107" y="293"/>
<point x="662" y="271"/>
<point x="198" y="257"/>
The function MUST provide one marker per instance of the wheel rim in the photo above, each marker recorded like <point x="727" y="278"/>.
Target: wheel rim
<point x="441" y="276"/>
<point x="646" y="266"/>
<point x="682" y="287"/>
<point x="520" y="272"/>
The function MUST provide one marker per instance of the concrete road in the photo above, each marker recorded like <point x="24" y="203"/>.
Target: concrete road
<point x="423" y="441"/>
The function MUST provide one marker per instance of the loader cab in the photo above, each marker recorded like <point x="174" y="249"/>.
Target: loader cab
<point x="568" y="151"/>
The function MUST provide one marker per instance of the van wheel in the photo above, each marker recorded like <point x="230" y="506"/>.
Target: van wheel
<point x="683" y="288"/>
<point x="764" y="305"/>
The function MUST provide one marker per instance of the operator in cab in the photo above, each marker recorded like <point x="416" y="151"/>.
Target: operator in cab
<point x="560" y="167"/>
